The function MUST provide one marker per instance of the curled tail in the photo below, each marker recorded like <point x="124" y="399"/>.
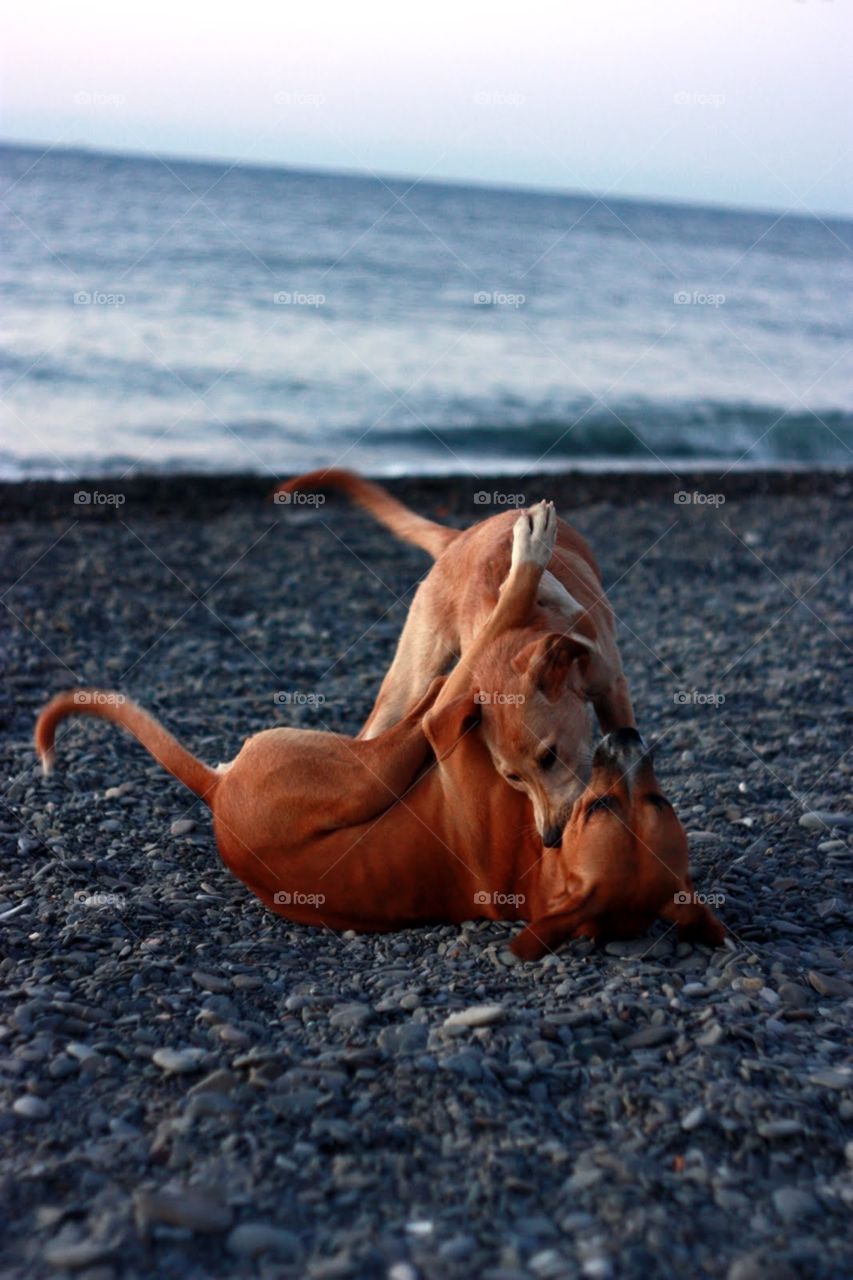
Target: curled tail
<point x="406" y="524"/>
<point x="165" y="749"/>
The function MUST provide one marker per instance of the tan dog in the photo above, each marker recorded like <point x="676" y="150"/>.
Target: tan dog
<point x="415" y="825"/>
<point x="534" y="698"/>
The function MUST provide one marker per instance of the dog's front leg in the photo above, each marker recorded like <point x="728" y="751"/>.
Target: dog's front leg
<point x="548" y="932"/>
<point x="424" y="651"/>
<point x="375" y="773"/>
<point x="613" y="707"/>
<point x="696" y="922"/>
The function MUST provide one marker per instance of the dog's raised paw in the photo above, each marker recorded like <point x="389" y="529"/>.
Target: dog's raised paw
<point x="534" y="535"/>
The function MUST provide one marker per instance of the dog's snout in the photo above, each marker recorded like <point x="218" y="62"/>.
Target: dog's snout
<point x="552" y="836"/>
<point x="622" y="747"/>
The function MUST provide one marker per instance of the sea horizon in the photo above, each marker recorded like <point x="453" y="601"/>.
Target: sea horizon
<point x="227" y="162"/>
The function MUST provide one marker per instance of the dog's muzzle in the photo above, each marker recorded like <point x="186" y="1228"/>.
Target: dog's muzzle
<point x="552" y="837"/>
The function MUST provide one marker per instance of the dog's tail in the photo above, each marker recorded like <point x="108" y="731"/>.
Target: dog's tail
<point x="165" y="749"/>
<point x="406" y="524"/>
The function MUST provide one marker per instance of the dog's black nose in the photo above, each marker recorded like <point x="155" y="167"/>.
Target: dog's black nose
<point x="552" y="837"/>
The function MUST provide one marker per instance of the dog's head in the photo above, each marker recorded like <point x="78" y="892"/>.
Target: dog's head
<point x="622" y="862"/>
<point x="534" y="720"/>
<point x="624" y="837"/>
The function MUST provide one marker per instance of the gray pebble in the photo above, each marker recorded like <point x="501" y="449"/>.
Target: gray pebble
<point x="250" y="1239"/>
<point x="220" y="1081"/>
<point x="77" y="1255"/>
<point x="649" y="1038"/>
<point x="833" y="1078"/>
<point x="793" y="1204"/>
<point x="795" y="996"/>
<point x="63" y="1065"/>
<point x="407" y="1037"/>
<point x="209" y="1104"/>
<point x="820" y="820"/>
<point x="466" y="1064"/>
<point x="478" y="1015"/>
<point x="778" y="1128"/>
<point x="826" y="985"/>
<point x="212" y="982"/>
<point x="183" y="826"/>
<point x="185" y="1207"/>
<point x="29" y="1107"/>
<point x="693" y="1119"/>
<point x="179" y="1061"/>
<point x="350" y="1017"/>
<point x="756" y="1266"/>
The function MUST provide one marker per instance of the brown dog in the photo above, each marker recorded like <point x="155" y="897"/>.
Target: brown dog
<point x="534" y="698"/>
<point x="415" y="825"/>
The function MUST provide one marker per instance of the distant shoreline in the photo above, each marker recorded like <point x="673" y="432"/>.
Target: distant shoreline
<point x="202" y="494"/>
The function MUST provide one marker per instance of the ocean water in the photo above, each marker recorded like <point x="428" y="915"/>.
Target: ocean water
<point x="189" y="315"/>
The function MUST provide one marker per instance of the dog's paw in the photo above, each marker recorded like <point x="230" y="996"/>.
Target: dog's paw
<point x="534" y="535"/>
<point x="705" y="929"/>
<point x="528" y="946"/>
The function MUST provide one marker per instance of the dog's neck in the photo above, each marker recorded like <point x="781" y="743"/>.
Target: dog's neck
<point x="492" y="827"/>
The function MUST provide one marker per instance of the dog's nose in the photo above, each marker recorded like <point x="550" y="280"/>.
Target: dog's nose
<point x="552" y="837"/>
<point x="622" y="747"/>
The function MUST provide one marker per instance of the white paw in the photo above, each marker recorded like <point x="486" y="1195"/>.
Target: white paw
<point x="534" y="535"/>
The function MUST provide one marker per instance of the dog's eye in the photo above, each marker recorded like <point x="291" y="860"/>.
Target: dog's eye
<point x="604" y="804"/>
<point x="512" y="777"/>
<point x="549" y="759"/>
<point x="659" y="802"/>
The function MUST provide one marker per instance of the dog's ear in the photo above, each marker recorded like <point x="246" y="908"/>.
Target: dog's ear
<point x="548" y="661"/>
<point x="445" y="726"/>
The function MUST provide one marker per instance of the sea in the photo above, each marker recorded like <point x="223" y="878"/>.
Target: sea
<point x="175" y="315"/>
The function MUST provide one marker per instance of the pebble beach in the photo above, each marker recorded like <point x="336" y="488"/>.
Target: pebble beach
<point x="192" y="1087"/>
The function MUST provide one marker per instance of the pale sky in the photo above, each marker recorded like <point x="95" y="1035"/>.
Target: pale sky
<point x="738" y="102"/>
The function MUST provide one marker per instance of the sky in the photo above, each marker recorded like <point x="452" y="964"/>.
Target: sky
<point x="734" y="102"/>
